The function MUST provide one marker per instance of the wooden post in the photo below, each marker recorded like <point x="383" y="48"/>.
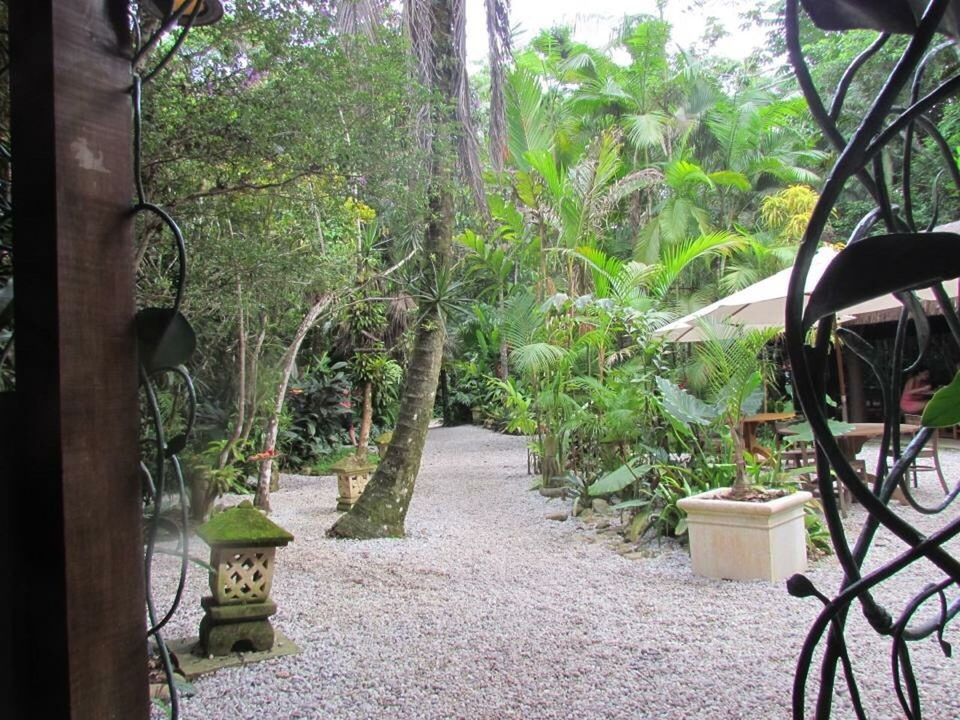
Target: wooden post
<point x="856" y="402"/>
<point x="8" y="414"/>
<point x="78" y="590"/>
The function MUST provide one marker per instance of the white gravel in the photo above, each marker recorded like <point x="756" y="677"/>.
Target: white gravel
<point x="489" y="610"/>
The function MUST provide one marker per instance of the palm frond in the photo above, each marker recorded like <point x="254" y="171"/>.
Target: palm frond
<point x="678" y="256"/>
<point x="537" y="358"/>
<point x="632" y="276"/>
<point x="528" y="127"/>
<point x="603" y="268"/>
<point x="624" y="187"/>
<point x="681" y="174"/>
<point x="647" y="130"/>
<point x="522" y="320"/>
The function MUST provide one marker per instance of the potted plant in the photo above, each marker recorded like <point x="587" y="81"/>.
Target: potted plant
<point x="749" y="531"/>
<point x="747" y="534"/>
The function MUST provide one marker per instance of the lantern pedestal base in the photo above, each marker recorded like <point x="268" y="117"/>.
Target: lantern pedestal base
<point x="191" y="664"/>
<point x="227" y="629"/>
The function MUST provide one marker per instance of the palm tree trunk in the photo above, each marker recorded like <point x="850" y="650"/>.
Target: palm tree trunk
<point x="382" y="508"/>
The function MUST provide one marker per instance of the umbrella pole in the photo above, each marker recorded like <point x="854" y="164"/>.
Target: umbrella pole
<point x="838" y="351"/>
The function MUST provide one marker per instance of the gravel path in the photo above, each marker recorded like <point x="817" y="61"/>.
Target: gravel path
<point x="487" y="610"/>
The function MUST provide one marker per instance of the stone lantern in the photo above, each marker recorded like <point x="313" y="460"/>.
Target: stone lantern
<point x="383" y="442"/>
<point x="243" y="544"/>
<point x="352" y="477"/>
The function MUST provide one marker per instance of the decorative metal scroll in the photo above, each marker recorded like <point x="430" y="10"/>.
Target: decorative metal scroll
<point x="6" y="218"/>
<point x="891" y="251"/>
<point x="165" y="343"/>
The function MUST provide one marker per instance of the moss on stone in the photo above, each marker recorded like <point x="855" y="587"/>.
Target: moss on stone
<point x="351" y="464"/>
<point x="243" y="526"/>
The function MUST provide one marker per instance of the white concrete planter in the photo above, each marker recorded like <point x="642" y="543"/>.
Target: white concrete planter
<point x="736" y="540"/>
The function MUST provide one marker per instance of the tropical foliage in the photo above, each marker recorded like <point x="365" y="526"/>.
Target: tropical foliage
<point x="319" y="155"/>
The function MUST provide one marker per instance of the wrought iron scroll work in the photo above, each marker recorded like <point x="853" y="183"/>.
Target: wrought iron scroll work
<point x="859" y="159"/>
<point x="165" y="343"/>
<point x="7" y="377"/>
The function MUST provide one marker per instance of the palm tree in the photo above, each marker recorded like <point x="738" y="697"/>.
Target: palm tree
<point x="437" y="33"/>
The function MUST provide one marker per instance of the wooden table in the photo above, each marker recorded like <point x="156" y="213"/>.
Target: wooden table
<point x="749" y="425"/>
<point x="852" y="442"/>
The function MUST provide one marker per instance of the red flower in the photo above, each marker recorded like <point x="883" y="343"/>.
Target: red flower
<point x="265" y="455"/>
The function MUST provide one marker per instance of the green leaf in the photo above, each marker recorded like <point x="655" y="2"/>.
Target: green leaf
<point x="528" y="128"/>
<point x="731" y="178"/>
<point x="681" y="528"/>
<point x="638" y="526"/>
<point x="802" y="432"/>
<point x="680" y="173"/>
<point x="617" y="480"/>
<point x="184" y="687"/>
<point x="752" y="395"/>
<point x="647" y="130"/>
<point x="943" y="410"/>
<point x="538" y="357"/>
<point x="683" y="406"/>
<point x="627" y="504"/>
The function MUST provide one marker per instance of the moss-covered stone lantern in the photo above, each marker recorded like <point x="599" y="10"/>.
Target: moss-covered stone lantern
<point x="353" y="475"/>
<point x="243" y="544"/>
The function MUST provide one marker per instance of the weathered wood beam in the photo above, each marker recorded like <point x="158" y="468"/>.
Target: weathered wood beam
<point x="80" y="602"/>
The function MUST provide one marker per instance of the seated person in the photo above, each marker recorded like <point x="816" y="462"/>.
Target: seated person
<point x="916" y="393"/>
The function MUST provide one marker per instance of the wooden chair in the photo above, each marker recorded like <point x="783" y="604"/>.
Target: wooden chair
<point x="928" y="459"/>
<point x="803" y="454"/>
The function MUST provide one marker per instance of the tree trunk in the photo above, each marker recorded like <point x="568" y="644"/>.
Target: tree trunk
<point x="241" y="382"/>
<point x="445" y="398"/>
<point x="382" y="508"/>
<point x="740" y="481"/>
<point x="503" y="369"/>
<point x="252" y="381"/>
<point x="549" y="459"/>
<point x="366" y="421"/>
<point x="262" y="498"/>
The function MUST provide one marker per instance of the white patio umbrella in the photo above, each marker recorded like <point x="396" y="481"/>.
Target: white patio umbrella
<point x="763" y="304"/>
<point x="760" y="305"/>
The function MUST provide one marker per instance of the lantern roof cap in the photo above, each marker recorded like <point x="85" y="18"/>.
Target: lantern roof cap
<point x="243" y="526"/>
<point x="350" y="464"/>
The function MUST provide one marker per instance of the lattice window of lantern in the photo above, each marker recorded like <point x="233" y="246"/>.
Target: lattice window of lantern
<point x="242" y="574"/>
